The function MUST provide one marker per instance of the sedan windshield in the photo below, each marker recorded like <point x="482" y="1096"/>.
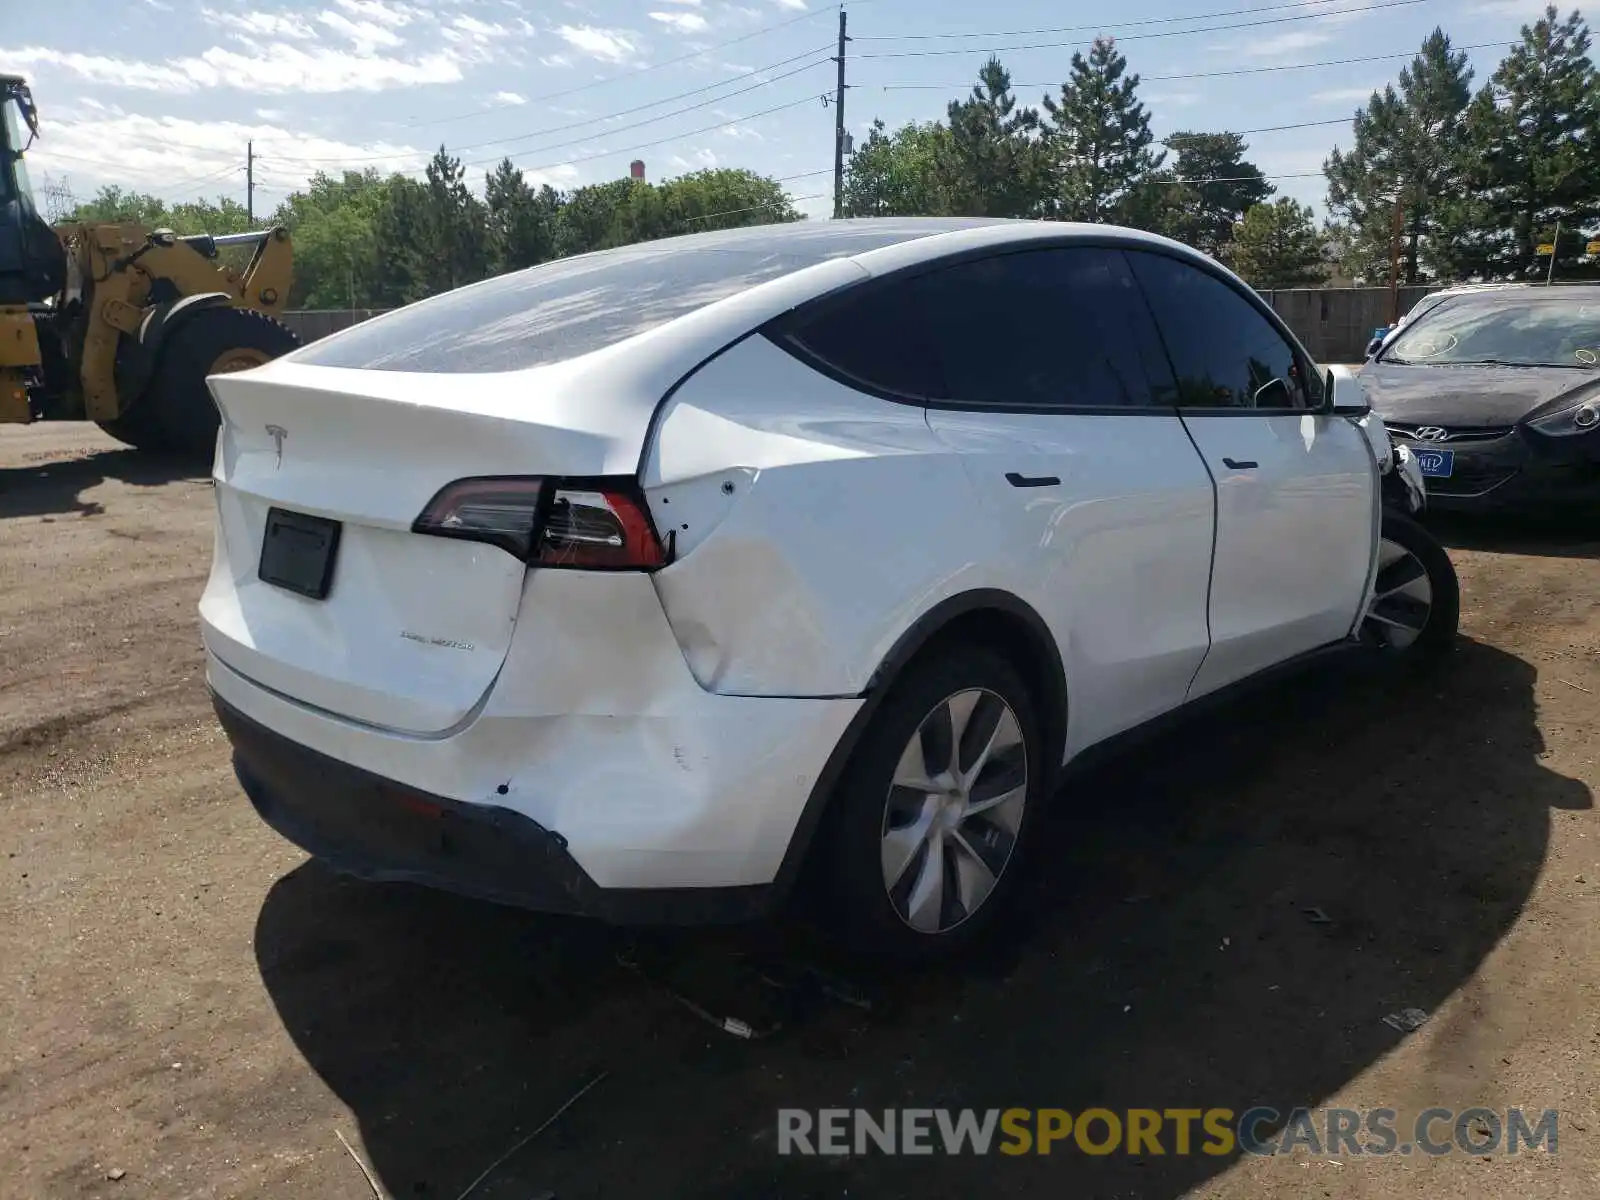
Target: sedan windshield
<point x="1546" y="329"/>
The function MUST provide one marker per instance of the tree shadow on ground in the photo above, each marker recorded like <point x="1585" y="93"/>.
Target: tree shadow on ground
<point x="1171" y="951"/>
<point x="56" y="487"/>
<point x="1557" y="534"/>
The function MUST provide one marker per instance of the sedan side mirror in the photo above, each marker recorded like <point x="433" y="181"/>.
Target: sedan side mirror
<point x="1346" y="397"/>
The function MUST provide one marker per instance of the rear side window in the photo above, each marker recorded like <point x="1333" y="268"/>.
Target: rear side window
<point x="1224" y="352"/>
<point x="1037" y="329"/>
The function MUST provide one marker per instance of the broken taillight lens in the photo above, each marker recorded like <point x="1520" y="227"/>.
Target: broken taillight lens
<point x="594" y="524"/>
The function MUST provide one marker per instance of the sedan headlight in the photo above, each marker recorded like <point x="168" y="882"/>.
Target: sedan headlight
<point x="1576" y="418"/>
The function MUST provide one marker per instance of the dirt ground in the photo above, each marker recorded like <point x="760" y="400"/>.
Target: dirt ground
<point x="189" y="1008"/>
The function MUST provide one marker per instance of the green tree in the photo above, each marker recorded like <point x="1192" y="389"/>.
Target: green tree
<point x="988" y="163"/>
<point x="897" y="175"/>
<point x="518" y="222"/>
<point x="1097" y="139"/>
<point x="722" y="198"/>
<point x="1531" y="154"/>
<point x="1277" y="246"/>
<point x="335" y="242"/>
<point x="116" y="204"/>
<point x="455" y="225"/>
<point x="1408" y="147"/>
<point x="1216" y="186"/>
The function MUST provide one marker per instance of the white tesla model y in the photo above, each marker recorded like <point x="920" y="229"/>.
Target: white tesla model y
<point x="636" y="582"/>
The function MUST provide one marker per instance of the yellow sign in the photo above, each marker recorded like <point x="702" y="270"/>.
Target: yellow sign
<point x="1547" y="248"/>
<point x="1592" y="248"/>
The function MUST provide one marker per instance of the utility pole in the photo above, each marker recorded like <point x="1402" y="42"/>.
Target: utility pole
<point x="838" y="126"/>
<point x="250" y="182"/>
<point x="1394" y="260"/>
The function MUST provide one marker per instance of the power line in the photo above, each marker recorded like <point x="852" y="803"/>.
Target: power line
<point x="633" y="74"/>
<point x="1306" y="66"/>
<point x="733" y="212"/>
<point x="522" y="137"/>
<point x="1207" y="16"/>
<point x="1139" y="37"/>
<point x="567" y="162"/>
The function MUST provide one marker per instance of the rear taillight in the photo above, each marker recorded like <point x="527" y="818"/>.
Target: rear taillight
<point x="593" y="524"/>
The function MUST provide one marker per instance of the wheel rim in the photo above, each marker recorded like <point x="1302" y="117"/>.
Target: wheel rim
<point x="236" y="360"/>
<point x="954" y="809"/>
<point x="1402" y="599"/>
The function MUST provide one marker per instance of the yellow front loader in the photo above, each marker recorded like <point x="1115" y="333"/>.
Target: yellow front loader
<point x="121" y="325"/>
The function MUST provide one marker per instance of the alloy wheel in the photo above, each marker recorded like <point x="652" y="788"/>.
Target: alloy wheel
<point x="954" y="810"/>
<point x="1402" y="599"/>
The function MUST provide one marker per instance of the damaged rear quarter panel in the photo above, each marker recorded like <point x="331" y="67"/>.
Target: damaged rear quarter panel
<point x="814" y="525"/>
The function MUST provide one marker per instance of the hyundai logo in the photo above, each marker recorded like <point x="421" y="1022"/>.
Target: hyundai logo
<point x="1432" y="433"/>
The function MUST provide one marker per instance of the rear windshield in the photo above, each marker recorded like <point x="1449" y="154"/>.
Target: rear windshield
<point x="1548" y="329"/>
<point x="572" y="306"/>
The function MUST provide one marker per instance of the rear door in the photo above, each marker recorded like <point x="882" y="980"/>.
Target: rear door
<point x="1056" y="393"/>
<point x="1296" y="489"/>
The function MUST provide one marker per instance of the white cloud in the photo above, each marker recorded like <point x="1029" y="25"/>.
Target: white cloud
<point x="275" y="115"/>
<point x="259" y="24"/>
<point x="1347" y="94"/>
<point x="171" y="155"/>
<point x="1281" y="43"/>
<point x="554" y="60"/>
<point x="365" y="36"/>
<point x="791" y="5"/>
<point x="682" y="22"/>
<point x="740" y="133"/>
<point x="1173" y="99"/>
<point x="687" y="3"/>
<point x="396" y="16"/>
<point x="508" y="98"/>
<point x="698" y="159"/>
<point x="273" y="69"/>
<point x="608" y="45"/>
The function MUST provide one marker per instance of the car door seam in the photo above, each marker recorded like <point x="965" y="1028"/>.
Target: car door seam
<point x="1211" y="572"/>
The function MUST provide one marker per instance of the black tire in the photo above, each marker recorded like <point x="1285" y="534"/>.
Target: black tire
<point x="177" y="403"/>
<point x="136" y="429"/>
<point x="1443" y="618"/>
<point x="846" y="878"/>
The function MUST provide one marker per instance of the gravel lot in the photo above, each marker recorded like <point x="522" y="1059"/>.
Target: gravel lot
<point x="189" y="1008"/>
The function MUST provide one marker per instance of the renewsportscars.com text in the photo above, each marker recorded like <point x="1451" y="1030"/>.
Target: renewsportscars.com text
<point x="1218" y="1132"/>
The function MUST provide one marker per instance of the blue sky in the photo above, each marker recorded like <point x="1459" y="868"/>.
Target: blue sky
<point x="163" y="95"/>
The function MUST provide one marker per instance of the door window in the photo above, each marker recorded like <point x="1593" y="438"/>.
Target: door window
<point x="1225" y="353"/>
<point x="1046" y="329"/>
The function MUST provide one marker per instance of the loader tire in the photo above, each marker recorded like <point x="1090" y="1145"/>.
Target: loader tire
<point x="135" y="428"/>
<point x="213" y="342"/>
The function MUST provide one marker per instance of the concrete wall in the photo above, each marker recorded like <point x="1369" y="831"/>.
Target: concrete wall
<point x="1334" y="323"/>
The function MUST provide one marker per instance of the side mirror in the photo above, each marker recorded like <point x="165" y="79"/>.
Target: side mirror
<point x="1345" y="395"/>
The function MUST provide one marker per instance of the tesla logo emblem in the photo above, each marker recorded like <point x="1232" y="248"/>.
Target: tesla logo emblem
<point x="277" y="433"/>
<point x="1432" y="433"/>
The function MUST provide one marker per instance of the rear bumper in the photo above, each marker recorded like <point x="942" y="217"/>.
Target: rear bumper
<point x="377" y="829"/>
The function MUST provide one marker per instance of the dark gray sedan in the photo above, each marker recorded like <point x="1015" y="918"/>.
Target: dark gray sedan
<point x="1498" y="395"/>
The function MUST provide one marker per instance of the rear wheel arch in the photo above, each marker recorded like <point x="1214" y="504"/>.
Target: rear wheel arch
<point x="989" y="617"/>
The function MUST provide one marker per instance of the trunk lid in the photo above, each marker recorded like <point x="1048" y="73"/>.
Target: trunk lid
<point x="413" y="629"/>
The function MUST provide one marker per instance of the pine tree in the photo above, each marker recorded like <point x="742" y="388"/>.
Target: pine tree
<point x="517" y="229"/>
<point x="988" y="165"/>
<point x="1278" y="246"/>
<point x="1098" y="138"/>
<point x="1216" y="187"/>
<point x="1531" y="155"/>
<point x="1408" y="147"/>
